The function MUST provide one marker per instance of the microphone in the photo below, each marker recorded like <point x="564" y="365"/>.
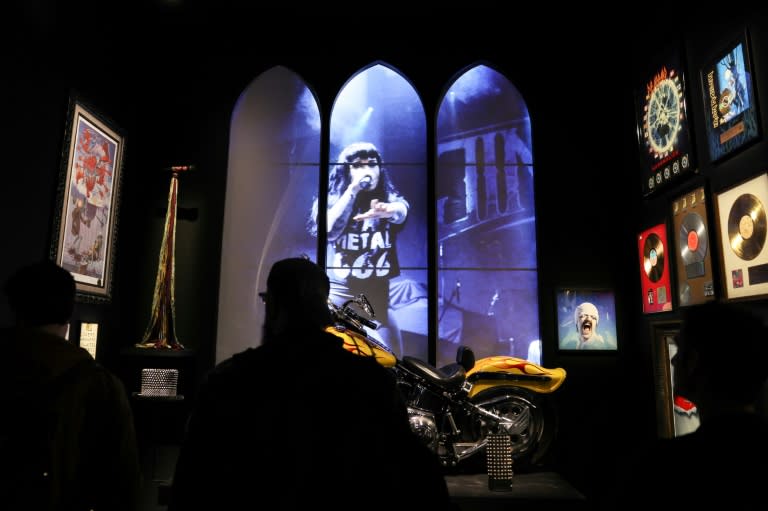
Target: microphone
<point x="366" y="182"/>
<point x="458" y="291"/>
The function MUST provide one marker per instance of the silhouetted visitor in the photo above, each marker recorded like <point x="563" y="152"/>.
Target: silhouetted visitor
<point x="301" y="423"/>
<point x="67" y="437"/>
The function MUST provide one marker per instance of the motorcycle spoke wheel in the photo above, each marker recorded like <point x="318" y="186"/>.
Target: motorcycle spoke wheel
<point x="531" y="423"/>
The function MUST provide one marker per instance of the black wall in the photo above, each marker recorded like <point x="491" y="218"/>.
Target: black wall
<point x="169" y="78"/>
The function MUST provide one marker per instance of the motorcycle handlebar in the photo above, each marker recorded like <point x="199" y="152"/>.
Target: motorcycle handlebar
<point x="365" y="321"/>
<point x="347" y="315"/>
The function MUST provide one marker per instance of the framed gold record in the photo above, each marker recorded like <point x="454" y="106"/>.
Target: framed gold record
<point x="743" y="227"/>
<point x="692" y="248"/>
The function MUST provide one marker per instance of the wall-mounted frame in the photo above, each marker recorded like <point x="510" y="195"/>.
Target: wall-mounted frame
<point x="654" y="269"/>
<point x="663" y="127"/>
<point x="85" y="223"/>
<point x="730" y="102"/>
<point x="741" y="218"/>
<point x="586" y="319"/>
<point x="675" y="415"/>
<point x="693" y="241"/>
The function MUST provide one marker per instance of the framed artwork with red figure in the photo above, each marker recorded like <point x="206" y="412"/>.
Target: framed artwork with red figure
<point x="85" y="226"/>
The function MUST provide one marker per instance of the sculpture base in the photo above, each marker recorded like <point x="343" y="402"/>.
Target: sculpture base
<point x="160" y="344"/>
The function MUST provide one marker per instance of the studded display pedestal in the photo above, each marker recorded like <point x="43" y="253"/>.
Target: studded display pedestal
<point x="499" y="459"/>
<point x="159" y="382"/>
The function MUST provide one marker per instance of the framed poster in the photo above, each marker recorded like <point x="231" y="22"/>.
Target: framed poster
<point x="741" y="220"/>
<point x="693" y="248"/>
<point x="89" y="189"/>
<point x="654" y="269"/>
<point x="663" y="128"/>
<point x="730" y="106"/>
<point x="675" y="415"/>
<point x="586" y="319"/>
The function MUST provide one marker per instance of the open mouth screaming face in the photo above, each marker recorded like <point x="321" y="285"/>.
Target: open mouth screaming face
<point x="586" y="317"/>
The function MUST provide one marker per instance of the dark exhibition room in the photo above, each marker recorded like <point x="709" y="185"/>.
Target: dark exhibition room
<point x="533" y="244"/>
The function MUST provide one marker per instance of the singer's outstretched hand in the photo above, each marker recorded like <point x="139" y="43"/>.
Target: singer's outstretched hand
<point x="379" y="210"/>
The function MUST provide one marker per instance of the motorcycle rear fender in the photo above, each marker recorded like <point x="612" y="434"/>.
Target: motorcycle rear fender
<point x="356" y="343"/>
<point x="503" y="371"/>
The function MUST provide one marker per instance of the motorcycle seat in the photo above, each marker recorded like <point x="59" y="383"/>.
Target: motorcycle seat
<point x="451" y="376"/>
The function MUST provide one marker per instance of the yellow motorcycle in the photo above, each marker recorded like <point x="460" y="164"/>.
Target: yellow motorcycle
<point x="454" y="408"/>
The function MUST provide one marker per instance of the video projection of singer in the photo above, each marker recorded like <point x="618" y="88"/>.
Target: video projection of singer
<point x="377" y="206"/>
<point x="487" y="265"/>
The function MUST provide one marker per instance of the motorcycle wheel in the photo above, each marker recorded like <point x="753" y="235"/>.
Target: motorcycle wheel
<point x="534" y="424"/>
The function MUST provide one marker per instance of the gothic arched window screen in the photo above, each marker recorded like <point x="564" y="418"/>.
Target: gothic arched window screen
<point x="486" y="270"/>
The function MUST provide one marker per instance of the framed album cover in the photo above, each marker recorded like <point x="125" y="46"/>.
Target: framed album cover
<point x="730" y="106"/>
<point x="654" y="269"/>
<point x="741" y="220"/>
<point x="663" y="127"/>
<point x="586" y="319"/>
<point x="693" y="248"/>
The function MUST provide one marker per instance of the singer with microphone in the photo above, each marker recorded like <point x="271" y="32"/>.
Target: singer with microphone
<point x="365" y="213"/>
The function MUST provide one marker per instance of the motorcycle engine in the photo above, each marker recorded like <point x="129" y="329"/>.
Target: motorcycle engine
<point x="423" y="424"/>
<point x="422" y="404"/>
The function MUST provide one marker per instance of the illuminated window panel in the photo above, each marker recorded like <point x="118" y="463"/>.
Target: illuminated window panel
<point x="487" y="265"/>
<point x="377" y="205"/>
<point x="274" y="165"/>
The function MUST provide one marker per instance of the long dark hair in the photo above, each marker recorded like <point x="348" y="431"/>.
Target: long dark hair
<point x="340" y="177"/>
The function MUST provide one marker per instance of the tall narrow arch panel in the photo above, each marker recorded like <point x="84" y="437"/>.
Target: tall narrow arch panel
<point x="487" y="276"/>
<point x="274" y="172"/>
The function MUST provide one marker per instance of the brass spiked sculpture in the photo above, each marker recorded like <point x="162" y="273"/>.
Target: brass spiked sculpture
<point x="161" y="331"/>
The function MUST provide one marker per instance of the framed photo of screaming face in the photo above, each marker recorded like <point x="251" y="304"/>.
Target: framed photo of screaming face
<point x="730" y="106"/>
<point x="742" y="225"/>
<point x="586" y="319"/>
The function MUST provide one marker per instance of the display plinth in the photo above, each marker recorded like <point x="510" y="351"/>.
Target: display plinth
<point x="540" y="490"/>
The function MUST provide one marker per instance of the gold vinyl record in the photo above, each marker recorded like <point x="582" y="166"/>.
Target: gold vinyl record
<point x="747" y="226"/>
<point x="693" y="239"/>
<point x="653" y="257"/>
